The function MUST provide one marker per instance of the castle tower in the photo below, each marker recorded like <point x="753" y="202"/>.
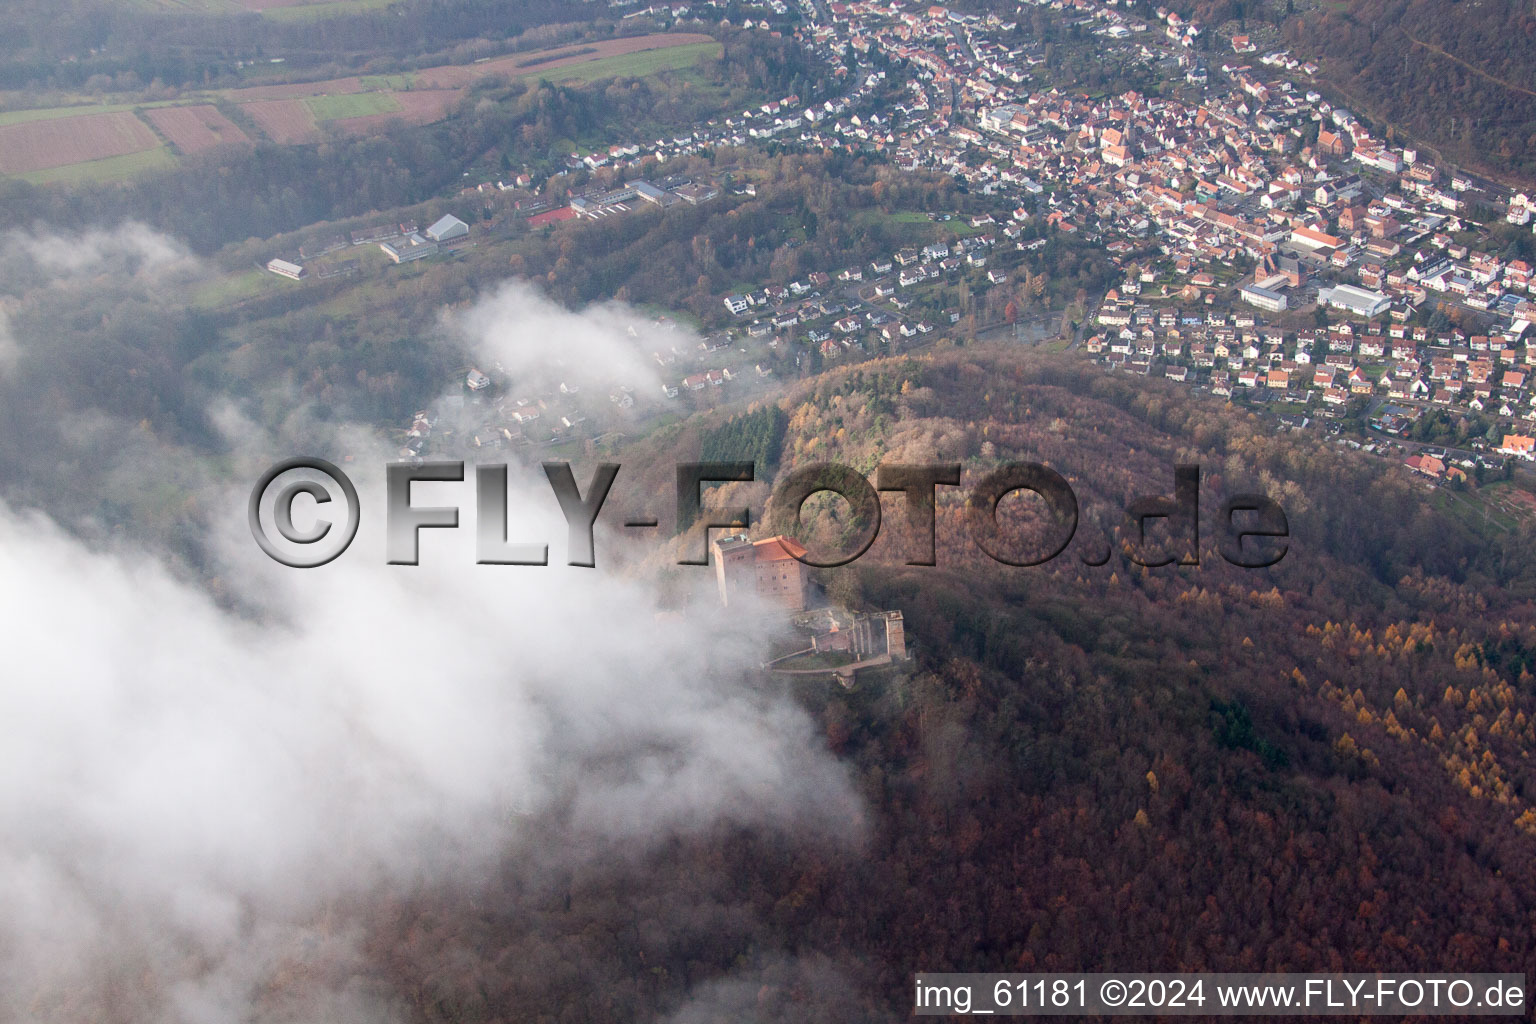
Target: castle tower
<point x="769" y="568"/>
<point x="895" y="636"/>
<point x="735" y="568"/>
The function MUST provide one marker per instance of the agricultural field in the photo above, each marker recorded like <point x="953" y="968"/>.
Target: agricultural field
<point x="350" y="105"/>
<point x="112" y="168"/>
<point x="636" y="65"/>
<point x="188" y="6"/>
<point x="49" y="113"/>
<point x="228" y="289"/>
<point x="302" y="90"/>
<point x="110" y="140"/>
<point x="44" y="144"/>
<point x="192" y="129"/>
<point x="311" y="10"/>
<point x="278" y="10"/>
<point x="287" y="121"/>
<point x="583" y="61"/>
<point x="419" y="106"/>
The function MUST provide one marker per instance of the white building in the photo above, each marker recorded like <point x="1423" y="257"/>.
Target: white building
<point x="446" y="228"/>
<point x="1264" y="298"/>
<point x="286" y="269"/>
<point x="412" y="247"/>
<point x="1356" y="300"/>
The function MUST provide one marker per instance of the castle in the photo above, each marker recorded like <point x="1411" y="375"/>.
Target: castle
<point x="769" y="568"/>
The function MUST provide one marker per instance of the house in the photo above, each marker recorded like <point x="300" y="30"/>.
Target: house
<point x="1519" y="446"/>
<point x="477" y="381"/>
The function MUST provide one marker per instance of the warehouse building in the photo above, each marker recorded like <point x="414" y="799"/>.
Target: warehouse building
<point x="447" y="228"/>
<point x="1354" y="300"/>
<point x="1264" y="298"/>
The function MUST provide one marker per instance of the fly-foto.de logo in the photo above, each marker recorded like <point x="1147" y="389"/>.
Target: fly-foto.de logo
<point x="1252" y="528"/>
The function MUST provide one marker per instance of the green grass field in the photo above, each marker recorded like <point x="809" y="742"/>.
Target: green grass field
<point x="631" y="65"/>
<point x="49" y="113"/>
<point x="1474" y="510"/>
<point x="914" y="227"/>
<point x="360" y="104"/>
<point x="113" y="168"/>
<point x="231" y="288"/>
<point x="1495" y="497"/>
<point x="295" y="12"/>
<point x="189" y="6"/>
<point x="381" y="82"/>
<point x="330" y="9"/>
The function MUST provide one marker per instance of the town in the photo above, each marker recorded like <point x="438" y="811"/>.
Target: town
<point x="1272" y="249"/>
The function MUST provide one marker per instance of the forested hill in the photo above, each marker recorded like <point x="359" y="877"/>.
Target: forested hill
<point x="1321" y="766"/>
<point x="1460" y="76"/>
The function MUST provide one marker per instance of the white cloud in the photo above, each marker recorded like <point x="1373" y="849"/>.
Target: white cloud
<point x="540" y="344"/>
<point x="184" y="789"/>
<point x="130" y="255"/>
<point x="130" y="248"/>
<point x="190" y="787"/>
<point x="10" y="351"/>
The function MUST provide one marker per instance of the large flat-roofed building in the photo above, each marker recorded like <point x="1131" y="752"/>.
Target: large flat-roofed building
<point x="1264" y="298"/>
<point x="694" y="194"/>
<point x="1357" y="300"/>
<point x="412" y="247"/>
<point x="286" y="269"/>
<point x="771" y="569"/>
<point x="651" y="194"/>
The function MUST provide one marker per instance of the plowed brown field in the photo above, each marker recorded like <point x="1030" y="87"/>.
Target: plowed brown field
<point x="38" y="145"/>
<point x="192" y="129"/>
<point x="284" y="120"/>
